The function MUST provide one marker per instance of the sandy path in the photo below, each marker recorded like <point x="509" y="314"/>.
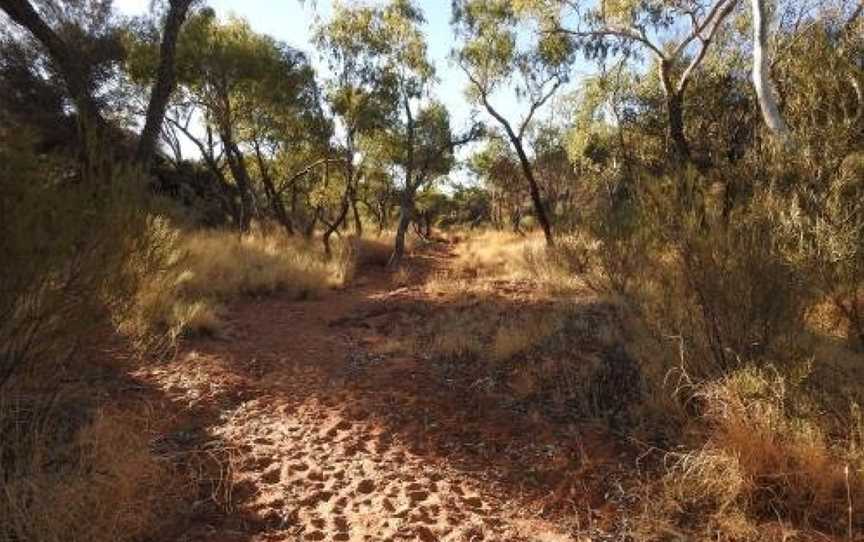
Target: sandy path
<point x="339" y="435"/>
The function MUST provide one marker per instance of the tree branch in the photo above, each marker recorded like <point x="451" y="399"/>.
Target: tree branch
<point x="305" y="171"/>
<point x="618" y="32"/>
<point x="24" y="14"/>
<point x="718" y="12"/>
<point x="718" y="16"/>
<point x="537" y="104"/>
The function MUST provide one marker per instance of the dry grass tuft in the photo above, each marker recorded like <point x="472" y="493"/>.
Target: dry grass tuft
<point x="223" y="264"/>
<point x="497" y="255"/>
<point x="211" y="267"/>
<point x="81" y="477"/>
<point x="766" y="455"/>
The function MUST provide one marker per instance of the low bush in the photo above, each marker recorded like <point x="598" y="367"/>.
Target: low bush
<point x="71" y="473"/>
<point x="765" y="453"/>
<point x="732" y="281"/>
<point x="76" y="249"/>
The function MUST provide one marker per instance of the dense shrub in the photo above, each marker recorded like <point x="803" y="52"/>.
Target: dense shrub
<point x="75" y="250"/>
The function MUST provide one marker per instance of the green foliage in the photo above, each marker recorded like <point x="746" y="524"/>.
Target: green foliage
<point x="717" y="283"/>
<point x="500" y="51"/>
<point x="379" y="58"/>
<point x="81" y="250"/>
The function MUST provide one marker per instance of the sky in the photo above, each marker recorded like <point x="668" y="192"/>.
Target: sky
<point x="293" y="22"/>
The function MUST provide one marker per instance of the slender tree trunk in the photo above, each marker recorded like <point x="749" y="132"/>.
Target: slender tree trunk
<point x="675" y="112"/>
<point x="358" y="224"/>
<point x="165" y="80"/>
<point x="406" y="213"/>
<point x="406" y="206"/>
<point x="765" y="91"/>
<point x="534" y="190"/>
<point x="346" y="200"/>
<point x="241" y="176"/>
<point x="226" y="191"/>
<point x="277" y="206"/>
<point x="340" y="219"/>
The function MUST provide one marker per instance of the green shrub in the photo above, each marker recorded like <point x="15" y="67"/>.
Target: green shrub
<point x="75" y="248"/>
<point x="715" y="280"/>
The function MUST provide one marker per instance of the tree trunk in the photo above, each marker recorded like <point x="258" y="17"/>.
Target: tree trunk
<point x="762" y="73"/>
<point x="534" y="189"/>
<point x="165" y="81"/>
<point x="358" y="224"/>
<point x="241" y="176"/>
<point x="340" y="218"/>
<point x="406" y="213"/>
<point x="675" y="112"/>
<point x="277" y="206"/>
<point x="346" y="200"/>
<point x="406" y="202"/>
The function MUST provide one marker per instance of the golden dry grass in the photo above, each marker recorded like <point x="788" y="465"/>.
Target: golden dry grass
<point x="486" y="259"/>
<point x="764" y="455"/>
<point x="97" y="482"/>
<point x="750" y="445"/>
<point x="212" y="266"/>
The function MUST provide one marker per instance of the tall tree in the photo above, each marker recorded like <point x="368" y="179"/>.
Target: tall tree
<point x="495" y="57"/>
<point x="257" y="96"/>
<point x="762" y="80"/>
<point x="654" y="27"/>
<point x="363" y="93"/>
<point x="388" y="44"/>
<point x="79" y="70"/>
<point x="165" y="80"/>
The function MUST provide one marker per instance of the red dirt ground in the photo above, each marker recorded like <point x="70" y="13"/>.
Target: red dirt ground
<point x="336" y="432"/>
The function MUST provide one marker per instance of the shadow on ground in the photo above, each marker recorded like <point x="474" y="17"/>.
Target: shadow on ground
<point x="337" y="432"/>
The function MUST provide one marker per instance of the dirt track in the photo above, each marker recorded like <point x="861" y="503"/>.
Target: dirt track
<point x="336" y="432"/>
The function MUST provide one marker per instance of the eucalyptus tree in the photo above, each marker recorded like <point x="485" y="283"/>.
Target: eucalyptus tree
<point x="424" y="151"/>
<point x="381" y="93"/>
<point x="843" y="15"/>
<point x="255" y="96"/>
<point x="677" y="34"/>
<point x="497" y="53"/>
<point x="83" y="43"/>
<point x="285" y="127"/>
<point x="362" y="93"/>
<point x="165" y="80"/>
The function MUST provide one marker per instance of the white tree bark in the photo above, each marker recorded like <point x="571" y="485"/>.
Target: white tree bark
<point x="765" y="91"/>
